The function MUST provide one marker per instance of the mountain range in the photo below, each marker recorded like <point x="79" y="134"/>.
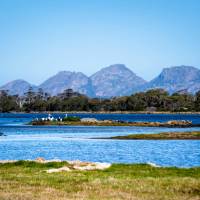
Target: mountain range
<point x="176" y="79"/>
<point x="114" y="80"/>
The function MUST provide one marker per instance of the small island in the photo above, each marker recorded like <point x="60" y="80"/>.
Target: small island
<point x="77" y="121"/>
<point x="195" y="135"/>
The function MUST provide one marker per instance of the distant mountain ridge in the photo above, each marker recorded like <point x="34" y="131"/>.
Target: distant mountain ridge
<point x="17" y="87"/>
<point x="77" y="81"/>
<point x="114" y="80"/>
<point x="176" y="78"/>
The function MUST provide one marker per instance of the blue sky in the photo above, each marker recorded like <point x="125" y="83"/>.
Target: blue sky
<point x="38" y="38"/>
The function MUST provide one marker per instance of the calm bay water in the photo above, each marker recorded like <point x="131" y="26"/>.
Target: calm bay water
<point x="72" y="142"/>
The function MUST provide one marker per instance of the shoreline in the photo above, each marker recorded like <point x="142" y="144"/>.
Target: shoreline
<point x="95" y="122"/>
<point x="193" y="135"/>
<point x="105" y="112"/>
<point x="82" y="163"/>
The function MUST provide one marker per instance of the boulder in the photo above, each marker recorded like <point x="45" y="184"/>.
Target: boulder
<point x="179" y="123"/>
<point x="62" y="169"/>
<point x="81" y="166"/>
<point x="90" y="120"/>
<point x="40" y="160"/>
<point x="86" y="166"/>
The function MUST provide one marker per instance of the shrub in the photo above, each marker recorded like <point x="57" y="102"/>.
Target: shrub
<point x="71" y="119"/>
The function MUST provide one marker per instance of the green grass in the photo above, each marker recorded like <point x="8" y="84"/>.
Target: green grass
<point x="28" y="180"/>
<point x="194" y="135"/>
<point x="71" y="119"/>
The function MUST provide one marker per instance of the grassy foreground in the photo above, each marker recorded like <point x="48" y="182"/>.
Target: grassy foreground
<point x="194" y="135"/>
<point x="25" y="180"/>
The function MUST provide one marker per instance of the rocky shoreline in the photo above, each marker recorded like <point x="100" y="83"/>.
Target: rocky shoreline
<point x="69" y="165"/>
<point x="95" y="122"/>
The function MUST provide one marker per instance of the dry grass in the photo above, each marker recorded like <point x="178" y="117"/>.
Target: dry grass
<point x="28" y="181"/>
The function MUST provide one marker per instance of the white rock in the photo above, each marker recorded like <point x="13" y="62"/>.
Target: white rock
<point x="153" y="164"/>
<point x="84" y="166"/>
<point x="62" y="169"/>
<point x="89" y="120"/>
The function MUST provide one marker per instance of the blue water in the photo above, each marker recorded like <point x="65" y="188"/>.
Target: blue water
<point x="17" y="118"/>
<point x="74" y="142"/>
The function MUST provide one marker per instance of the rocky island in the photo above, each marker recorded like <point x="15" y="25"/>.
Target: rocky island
<point x="76" y="121"/>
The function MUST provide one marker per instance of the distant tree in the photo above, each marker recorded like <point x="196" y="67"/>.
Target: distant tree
<point x="197" y="101"/>
<point x="75" y="104"/>
<point x="54" y="104"/>
<point x="40" y="94"/>
<point x="118" y="104"/>
<point x="30" y="95"/>
<point x="8" y="103"/>
<point x="136" y="102"/>
<point x="181" y="102"/>
<point x="152" y="100"/>
<point x="95" y="104"/>
<point x="39" y="102"/>
<point x="156" y="98"/>
<point x="68" y="93"/>
<point x="29" y="100"/>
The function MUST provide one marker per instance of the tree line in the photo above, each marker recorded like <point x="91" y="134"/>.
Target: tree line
<point x="152" y="100"/>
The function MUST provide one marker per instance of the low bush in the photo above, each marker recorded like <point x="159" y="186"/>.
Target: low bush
<point x="71" y="119"/>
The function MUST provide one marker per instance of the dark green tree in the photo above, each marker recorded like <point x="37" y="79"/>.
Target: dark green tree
<point x="197" y="101"/>
<point x="8" y="103"/>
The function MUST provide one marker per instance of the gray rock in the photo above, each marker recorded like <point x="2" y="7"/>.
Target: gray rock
<point x="92" y="120"/>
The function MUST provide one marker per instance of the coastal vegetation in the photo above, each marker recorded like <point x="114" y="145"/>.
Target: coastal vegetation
<point x="150" y="101"/>
<point x="71" y="119"/>
<point x="29" y="180"/>
<point x="76" y="121"/>
<point x="194" y="135"/>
